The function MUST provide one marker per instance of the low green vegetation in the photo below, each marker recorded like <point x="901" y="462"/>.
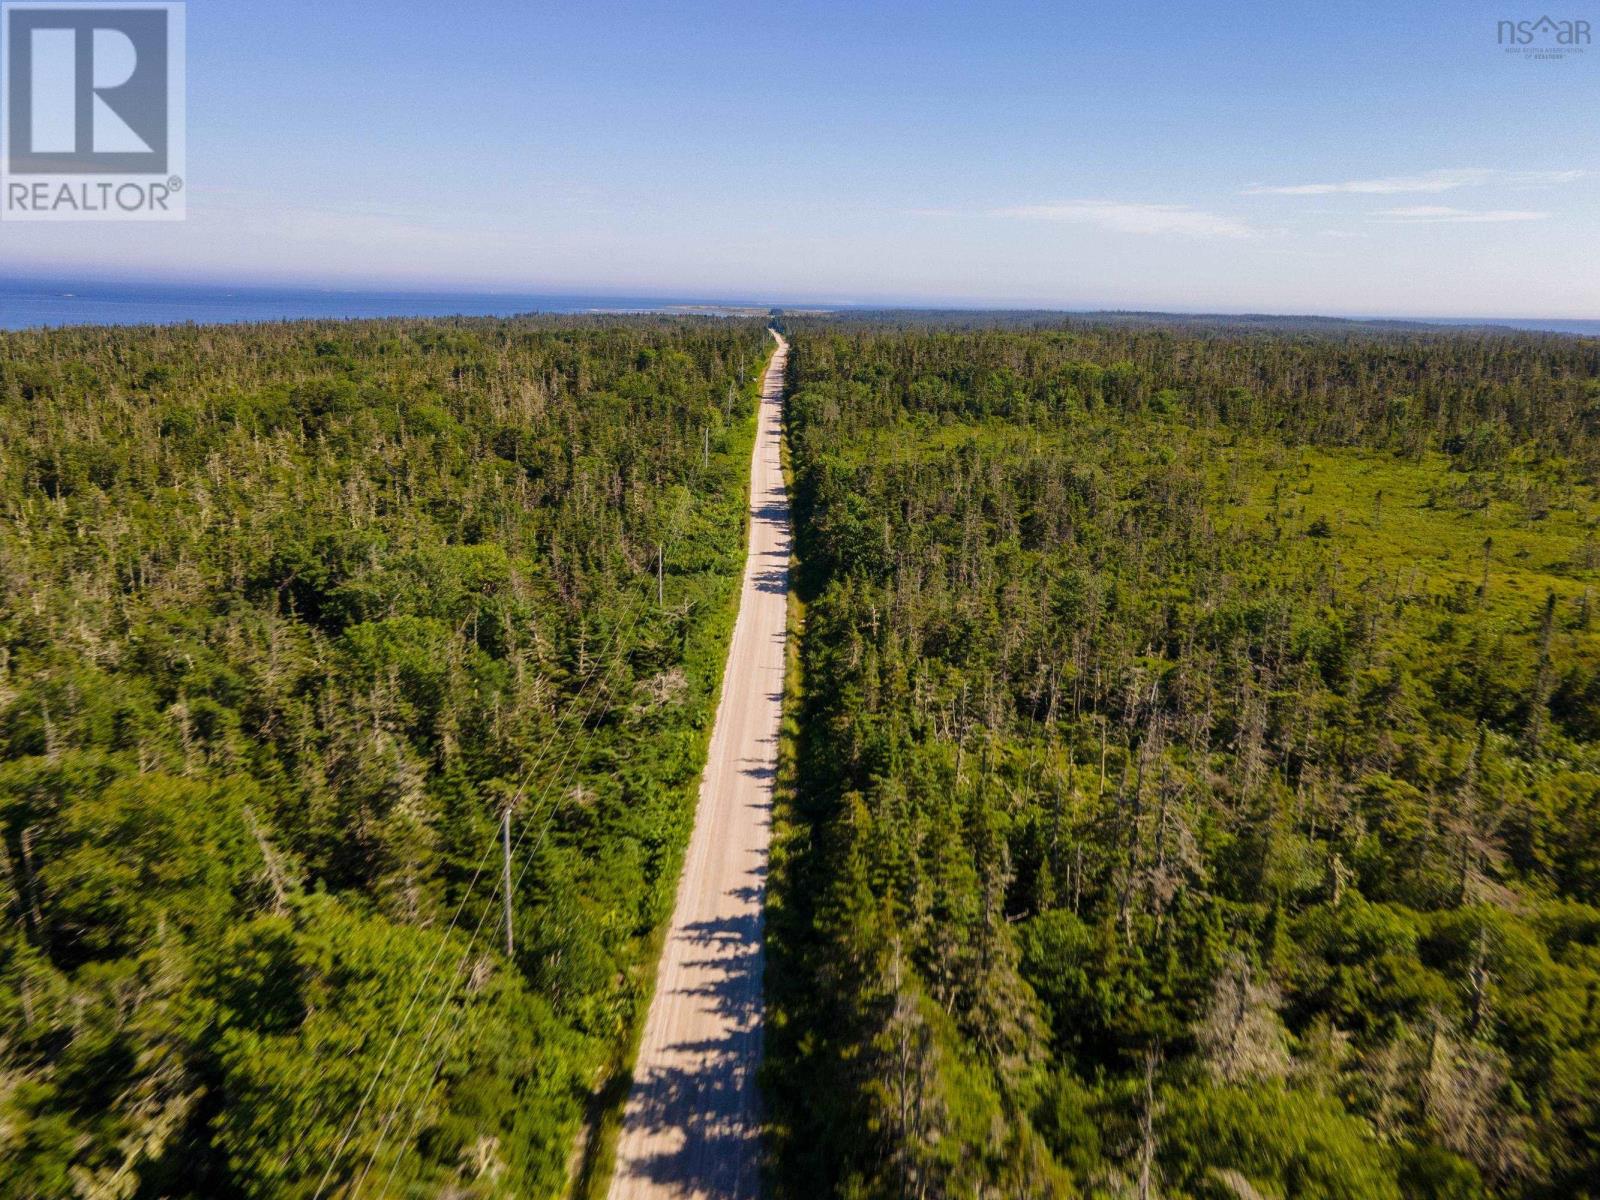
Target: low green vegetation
<point x="289" y="615"/>
<point x="1197" y="778"/>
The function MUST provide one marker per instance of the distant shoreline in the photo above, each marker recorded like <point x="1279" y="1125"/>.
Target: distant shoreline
<point x="54" y="304"/>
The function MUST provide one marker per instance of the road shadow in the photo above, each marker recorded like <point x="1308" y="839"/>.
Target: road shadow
<point x="774" y="583"/>
<point x="711" y="1105"/>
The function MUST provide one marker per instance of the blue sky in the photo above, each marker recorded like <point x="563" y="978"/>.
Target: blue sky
<point x="1380" y="158"/>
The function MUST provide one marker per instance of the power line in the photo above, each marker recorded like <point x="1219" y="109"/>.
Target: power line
<point x="466" y="953"/>
<point x="439" y="949"/>
<point x="528" y="862"/>
<point x="505" y="842"/>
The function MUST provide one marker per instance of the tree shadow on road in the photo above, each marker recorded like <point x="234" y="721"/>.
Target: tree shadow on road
<point x="708" y="1101"/>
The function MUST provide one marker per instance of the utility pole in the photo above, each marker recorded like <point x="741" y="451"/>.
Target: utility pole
<point x="505" y="878"/>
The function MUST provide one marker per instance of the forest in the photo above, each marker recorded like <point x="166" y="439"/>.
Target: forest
<point x="1192" y="778"/>
<point x="1190" y="785"/>
<point x="292" y="617"/>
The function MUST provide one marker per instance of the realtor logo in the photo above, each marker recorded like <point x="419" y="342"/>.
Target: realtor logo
<point x="92" y="118"/>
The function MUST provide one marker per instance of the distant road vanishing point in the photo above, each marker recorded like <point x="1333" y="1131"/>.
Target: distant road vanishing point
<point x="692" y="1126"/>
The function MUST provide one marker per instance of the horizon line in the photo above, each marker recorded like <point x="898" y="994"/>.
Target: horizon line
<point x="667" y="298"/>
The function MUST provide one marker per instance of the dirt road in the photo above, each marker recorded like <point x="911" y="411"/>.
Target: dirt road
<point x="692" y="1126"/>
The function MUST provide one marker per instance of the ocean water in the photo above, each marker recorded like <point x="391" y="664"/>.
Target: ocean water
<point x="35" y="305"/>
<point x="1527" y="324"/>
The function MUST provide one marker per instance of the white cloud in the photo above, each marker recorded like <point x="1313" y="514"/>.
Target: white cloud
<point x="1427" y="181"/>
<point x="1432" y="213"/>
<point x="1176" y="219"/>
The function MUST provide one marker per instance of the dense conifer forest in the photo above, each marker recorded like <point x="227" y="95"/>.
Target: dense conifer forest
<point x="1191" y="790"/>
<point x="290" y="615"/>
<point x="1194" y="788"/>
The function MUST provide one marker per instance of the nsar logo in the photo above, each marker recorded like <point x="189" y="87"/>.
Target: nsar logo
<point x="1544" y="37"/>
